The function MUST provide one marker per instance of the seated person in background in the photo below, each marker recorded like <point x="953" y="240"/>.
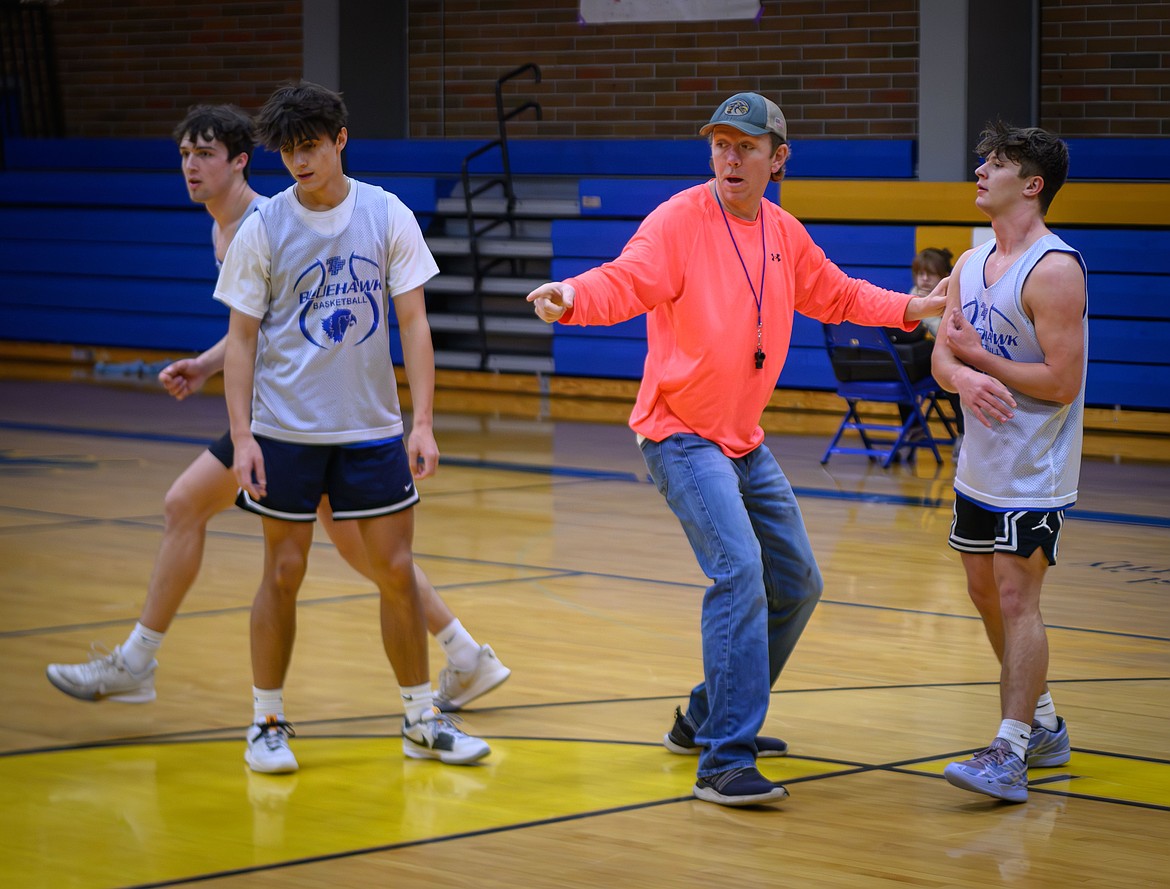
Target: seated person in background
<point x="914" y="347"/>
<point x="930" y="266"/>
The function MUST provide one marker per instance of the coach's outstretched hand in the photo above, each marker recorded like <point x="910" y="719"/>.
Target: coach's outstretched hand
<point x="552" y="300"/>
<point x="930" y="306"/>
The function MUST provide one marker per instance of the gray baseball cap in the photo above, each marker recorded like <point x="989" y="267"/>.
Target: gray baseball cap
<point x="749" y="113"/>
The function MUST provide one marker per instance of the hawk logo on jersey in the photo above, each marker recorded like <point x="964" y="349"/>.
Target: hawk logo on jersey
<point x="338" y="323"/>
<point x="337" y="295"/>
<point x="984" y="317"/>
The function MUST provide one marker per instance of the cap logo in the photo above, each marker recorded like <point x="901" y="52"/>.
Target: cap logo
<point x="736" y="108"/>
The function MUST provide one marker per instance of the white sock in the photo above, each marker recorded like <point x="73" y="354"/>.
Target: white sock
<point x="418" y="700"/>
<point x="1046" y="712"/>
<point x="462" y="651"/>
<point x="1016" y="734"/>
<point x="267" y="702"/>
<point x="140" y="647"/>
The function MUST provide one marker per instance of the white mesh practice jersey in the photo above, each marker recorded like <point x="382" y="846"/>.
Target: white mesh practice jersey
<point x="1033" y="461"/>
<point x="321" y="282"/>
<point x="257" y="202"/>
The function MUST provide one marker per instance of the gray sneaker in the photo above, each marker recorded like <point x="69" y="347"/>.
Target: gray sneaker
<point x="104" y="676"/>
<point x="458" y="688"/>
<point x="1048" y="749"/>
<point x="436" y="736"/>
<point x="996" y="771"/>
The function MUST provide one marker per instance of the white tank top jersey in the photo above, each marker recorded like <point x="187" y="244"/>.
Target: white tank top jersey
<point x="1033" y="461"/>
<point x="323" y="369"/>
<point x="257" y="202"/>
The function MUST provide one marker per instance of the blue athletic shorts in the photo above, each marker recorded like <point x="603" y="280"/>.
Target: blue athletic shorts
<point x="362" y="480"/>
<point x="976" y="529"/>
<point x="223" y="450"/>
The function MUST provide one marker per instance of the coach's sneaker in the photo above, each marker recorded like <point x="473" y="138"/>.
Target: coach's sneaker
<point x="268" y="749"/>
<point x="995" y="771"/>
<point x="104" y="676"/>
<point x="743" y="786"/>
<point x="681" y="740"/>
<point x="436" y="736"/>
<point x="1047" y="749"/>
<point x="458" y="688"/>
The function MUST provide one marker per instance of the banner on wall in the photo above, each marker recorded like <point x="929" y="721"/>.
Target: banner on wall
<point x="595" y="12"/>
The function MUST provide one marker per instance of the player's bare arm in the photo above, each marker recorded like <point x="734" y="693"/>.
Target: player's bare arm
<point x="238" y="380"/>
<point x="985" y="396"/>
<point x="1054" y="299"/>
<point x="419" y="356"/>
<point x="187" y="375"/>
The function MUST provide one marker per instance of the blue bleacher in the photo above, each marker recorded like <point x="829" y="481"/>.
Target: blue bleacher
<point x="101" y="245"/>
<point x="1129" y="314"/>
<point x="1129" y="159"/>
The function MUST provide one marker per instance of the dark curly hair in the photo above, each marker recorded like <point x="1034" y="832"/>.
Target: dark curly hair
<point x="223" y="123"/>
<point x="298" y="112"/>
<point x="1037" y="151"/>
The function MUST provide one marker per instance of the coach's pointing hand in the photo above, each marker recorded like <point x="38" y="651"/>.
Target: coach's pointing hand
<point x="552" y="300"/>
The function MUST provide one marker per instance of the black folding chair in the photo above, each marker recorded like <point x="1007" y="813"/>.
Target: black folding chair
<point x="868" y="368"/>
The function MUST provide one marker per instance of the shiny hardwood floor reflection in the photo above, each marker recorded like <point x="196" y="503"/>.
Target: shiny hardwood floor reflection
<point x="550" y="545"/>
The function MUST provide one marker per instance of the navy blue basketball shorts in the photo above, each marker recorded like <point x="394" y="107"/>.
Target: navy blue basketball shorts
<point x="223" y="450"/>
<point x="363" y="480"/>
<point x="976" y="529"/>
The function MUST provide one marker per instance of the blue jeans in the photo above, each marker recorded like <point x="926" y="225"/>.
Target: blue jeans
<point x="745" y="527"/>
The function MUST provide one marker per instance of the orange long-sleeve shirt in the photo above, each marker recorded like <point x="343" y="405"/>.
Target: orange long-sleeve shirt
<point x="681" y="268"/>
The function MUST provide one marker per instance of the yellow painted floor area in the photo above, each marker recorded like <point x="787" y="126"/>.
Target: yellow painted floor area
<point x="124" y="815"/>
<point x="119" y="815"/>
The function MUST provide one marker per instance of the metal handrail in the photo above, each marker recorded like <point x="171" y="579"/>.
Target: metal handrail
<point x="504" y="181"/>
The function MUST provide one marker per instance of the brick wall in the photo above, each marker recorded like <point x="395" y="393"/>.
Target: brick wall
<point x="841" y="68"/>
<point x="1105" y="68"/>
<point x="131" y="68"/>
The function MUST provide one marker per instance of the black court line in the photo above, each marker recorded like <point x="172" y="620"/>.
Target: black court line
<point x="246" y="608"/>
<point x="545" y="573"/>
<point x="233" y="732"/>
<point x="390" y="847"/>
<point x="581" y="473"/>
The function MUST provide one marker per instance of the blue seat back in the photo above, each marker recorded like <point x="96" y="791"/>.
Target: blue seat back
<point x="870" y="345"/>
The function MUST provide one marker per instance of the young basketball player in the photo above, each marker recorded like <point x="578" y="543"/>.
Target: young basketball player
<point x="216" y="146"/>
<point x="314" y="410"/>
<point x="1013" y="344"/>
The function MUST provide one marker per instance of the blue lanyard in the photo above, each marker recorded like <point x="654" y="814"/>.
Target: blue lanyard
<point x="758" y="297"/>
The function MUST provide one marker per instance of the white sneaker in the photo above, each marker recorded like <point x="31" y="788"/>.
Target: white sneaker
<point x="268" y="749"/>
<point x="436" y="736"/>
<point x="458" y="688"/>
<point x="104" y="676"/>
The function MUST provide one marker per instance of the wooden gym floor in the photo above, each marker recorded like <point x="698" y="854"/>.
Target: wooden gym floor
<point x="550" y="545"/>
